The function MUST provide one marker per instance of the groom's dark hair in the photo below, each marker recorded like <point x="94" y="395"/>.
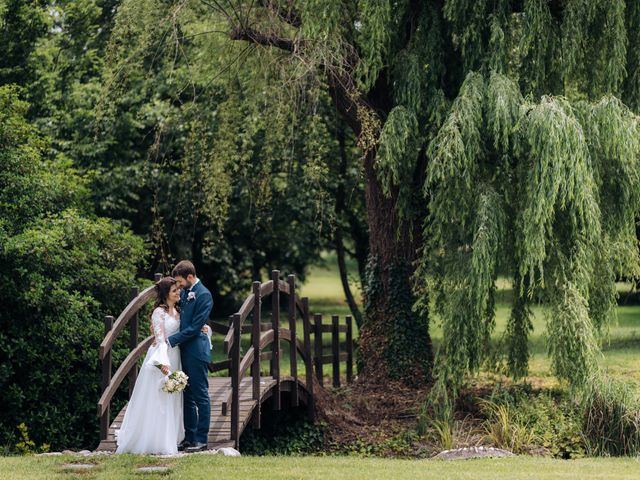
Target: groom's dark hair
<point x="183" y="269"/>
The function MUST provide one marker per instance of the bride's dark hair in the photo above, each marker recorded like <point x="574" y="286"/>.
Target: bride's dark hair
<point x="162" y="289"/>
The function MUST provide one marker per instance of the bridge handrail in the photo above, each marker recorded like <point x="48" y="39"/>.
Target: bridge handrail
<point x="121" y="373"/>
<point x="127" y="314"/>
<point x="266" y="289"/>
<point x="266" y="339"/>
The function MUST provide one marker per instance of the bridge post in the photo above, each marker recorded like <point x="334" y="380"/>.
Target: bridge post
<point x="106" y="379"/>
<point x="335" y="349"/>
<point x="275" y="324"/>
<point x="308" y="366"/>
<point x="235" y="381"/>
<point x="317" y="341"/>
<point x="255" y="342"/>
<point x="133" y="343"/>
<point x="349" y="349"/>
<point x="291" y="280"/>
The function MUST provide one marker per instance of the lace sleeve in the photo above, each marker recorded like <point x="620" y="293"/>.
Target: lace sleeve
<point x="158" y="354"/>
<point x="157" y="319"/>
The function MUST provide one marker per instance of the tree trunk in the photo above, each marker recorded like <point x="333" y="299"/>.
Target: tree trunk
<point x="394" y="341"/>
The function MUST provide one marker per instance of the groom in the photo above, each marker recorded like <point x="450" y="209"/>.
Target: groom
<point x="195" y="353"/>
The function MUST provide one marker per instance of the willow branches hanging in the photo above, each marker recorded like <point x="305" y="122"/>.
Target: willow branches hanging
<point x="563" y="161"/>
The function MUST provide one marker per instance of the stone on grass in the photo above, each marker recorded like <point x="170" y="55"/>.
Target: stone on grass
<point x="472" y="452"/>
<point x="229" y="452"/>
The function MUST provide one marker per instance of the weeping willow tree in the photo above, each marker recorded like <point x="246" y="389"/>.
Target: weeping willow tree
<point x="496" y="136"/>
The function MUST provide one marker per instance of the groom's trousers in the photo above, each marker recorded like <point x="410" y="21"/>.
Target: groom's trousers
<point x="197" y="406"/>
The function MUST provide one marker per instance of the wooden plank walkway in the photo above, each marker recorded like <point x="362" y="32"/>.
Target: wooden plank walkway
<point x="220" y="426"/>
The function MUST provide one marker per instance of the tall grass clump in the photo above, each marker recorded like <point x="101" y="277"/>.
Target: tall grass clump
<point x="611" y="411"/>
<point x="505" y="427"/>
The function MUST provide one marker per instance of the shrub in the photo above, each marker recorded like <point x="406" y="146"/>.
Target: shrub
<point x="62" y="270"/>
<point x="506" y="429"/>
<point x="283" y="433"/>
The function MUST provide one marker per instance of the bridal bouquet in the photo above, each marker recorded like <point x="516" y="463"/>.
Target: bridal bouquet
<point x="175" y="382"/>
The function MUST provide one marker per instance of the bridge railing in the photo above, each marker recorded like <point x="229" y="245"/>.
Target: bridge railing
<point x="264" y="335"/>
<point x="129" y="367"/>
<point x="266" y="341"/>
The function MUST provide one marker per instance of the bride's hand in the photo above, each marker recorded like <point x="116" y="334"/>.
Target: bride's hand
<point x="164" y="369"/>
<point x="205" y="329"/>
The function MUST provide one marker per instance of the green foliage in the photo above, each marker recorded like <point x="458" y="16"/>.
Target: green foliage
<point x="596" y="31"/>
<point x="437" y="425"/>
<point x="284" y="433"/>
<point x="455" y="150"/>
<point x="631" y="92"/>
<point x="397" y="155"/>
<point x="21" y="24"/>
<point x="542" y="419"/>
<point x="572" y="345"/>
<point x="503" y="109"/>
<point x="200" y="165"/>
<point x="374" y="38"/>
<point x="468" y="21"/>
<point x="26" y="445"/>
<point x="559" y="178"/>
<point x="539" y="45"/>
<point x="325" y="46"/>
<point x="504" y="429"/>
<point x="397" y="445"/>
<point x="542" y="170"/>
<point x="63" y="270"/>
<point x="499" y="29"/>
<point x="517" y="335"/>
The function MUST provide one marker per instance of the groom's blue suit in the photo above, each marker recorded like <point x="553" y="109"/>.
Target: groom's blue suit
<point x="196" y="355"/>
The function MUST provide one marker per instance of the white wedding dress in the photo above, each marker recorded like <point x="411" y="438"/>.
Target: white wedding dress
<point x="153" y="422"/>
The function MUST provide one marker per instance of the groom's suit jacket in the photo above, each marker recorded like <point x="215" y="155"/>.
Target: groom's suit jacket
<point x="194" y="313"/>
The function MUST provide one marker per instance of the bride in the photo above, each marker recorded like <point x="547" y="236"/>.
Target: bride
<point x="153" y="421"/>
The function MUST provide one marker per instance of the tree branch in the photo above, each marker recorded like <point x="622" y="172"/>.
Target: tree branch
<point x="259" y="38"/>
<point x="339" y="83"/>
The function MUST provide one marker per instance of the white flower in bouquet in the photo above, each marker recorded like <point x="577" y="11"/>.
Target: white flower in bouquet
<point x="175" y="382"/>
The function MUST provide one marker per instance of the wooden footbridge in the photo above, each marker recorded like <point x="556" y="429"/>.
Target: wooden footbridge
<point x="244" y="395"/>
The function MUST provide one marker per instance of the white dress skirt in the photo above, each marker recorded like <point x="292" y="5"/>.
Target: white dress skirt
<point x="153" y="422"/>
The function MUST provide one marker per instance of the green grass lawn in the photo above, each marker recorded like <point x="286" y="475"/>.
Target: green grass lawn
<point x="321" y="468"/>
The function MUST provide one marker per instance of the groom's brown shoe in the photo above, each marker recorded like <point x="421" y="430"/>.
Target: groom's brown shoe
<point x="196" y="447"/>
<point x="182" y="446"/>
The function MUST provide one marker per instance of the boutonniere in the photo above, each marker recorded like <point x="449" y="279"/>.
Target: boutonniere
<point x="191" y="296"/>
